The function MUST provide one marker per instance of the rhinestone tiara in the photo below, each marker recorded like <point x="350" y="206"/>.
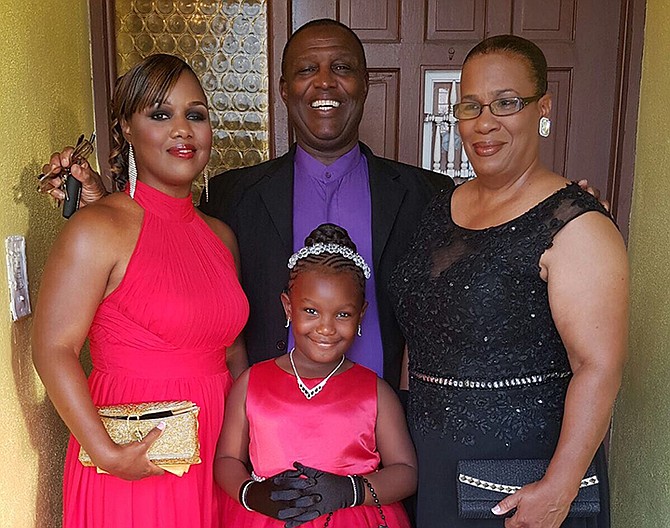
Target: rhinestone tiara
<point x="318" y="249"/>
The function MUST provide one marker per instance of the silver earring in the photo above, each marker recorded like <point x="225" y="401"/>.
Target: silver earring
<point x="545" y="126"/>
<point x="288" y="322"/>
<point x="359" y="331"/>
<point x="132" y="171"/>
<point x="204" y="175"/>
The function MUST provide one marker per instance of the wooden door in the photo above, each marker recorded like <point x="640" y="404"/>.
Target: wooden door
<point x="593" y="50"/>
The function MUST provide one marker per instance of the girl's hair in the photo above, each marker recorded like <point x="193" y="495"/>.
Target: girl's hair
<point x="329" y="262"/>
<point x="145" y="84"/>
<point x="527" y="50"/>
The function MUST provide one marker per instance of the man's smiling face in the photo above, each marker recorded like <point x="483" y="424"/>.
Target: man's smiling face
<point x="324" y="85"/>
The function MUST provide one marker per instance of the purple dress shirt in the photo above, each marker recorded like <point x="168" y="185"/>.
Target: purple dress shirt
<point x="340" y="194"/>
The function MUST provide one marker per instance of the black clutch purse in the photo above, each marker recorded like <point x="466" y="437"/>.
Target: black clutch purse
<point x="481" y="484"/>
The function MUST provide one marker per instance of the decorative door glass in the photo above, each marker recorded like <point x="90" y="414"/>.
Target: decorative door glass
<point x="442" y="149"/>
<point x="225" y="42"/>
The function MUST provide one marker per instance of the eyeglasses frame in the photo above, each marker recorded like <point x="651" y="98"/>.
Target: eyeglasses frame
<point x="525" y="100"/>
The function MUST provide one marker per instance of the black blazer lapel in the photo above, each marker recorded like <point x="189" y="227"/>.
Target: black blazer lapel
<point x="386" y="193"/>
<point x="276" y="192"/>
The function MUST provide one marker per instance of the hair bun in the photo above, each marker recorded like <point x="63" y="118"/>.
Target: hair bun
<point x="330" y="234"/>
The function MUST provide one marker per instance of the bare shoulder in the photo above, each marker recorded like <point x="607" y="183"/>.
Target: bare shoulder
<point x="541" y="186"/>
<point x="221" y="230"/>
<point x="590" y="231"/>
<point x="385" y="393"/>
<point x="589" y="242"/>
<point x="110" y="221"/>
<point x="553" y="180"/>
<point x="96" y="242"/>
<point x="544" y="184"/>
<point x="391" y="422"/>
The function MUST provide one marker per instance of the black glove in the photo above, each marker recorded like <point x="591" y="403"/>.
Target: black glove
<point x="280" y="496"/>
<point x="328" y="493"/>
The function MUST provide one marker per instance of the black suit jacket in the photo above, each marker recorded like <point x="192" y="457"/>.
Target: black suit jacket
<point x="257" y="203"/>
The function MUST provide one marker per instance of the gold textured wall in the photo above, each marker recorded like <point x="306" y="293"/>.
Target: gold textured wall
<point x="640" y="453"/>
<point x="225" y="42"/>
<point x="45" y="100"/>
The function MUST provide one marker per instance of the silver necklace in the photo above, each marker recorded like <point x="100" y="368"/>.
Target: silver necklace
<point x="310" y="393"/>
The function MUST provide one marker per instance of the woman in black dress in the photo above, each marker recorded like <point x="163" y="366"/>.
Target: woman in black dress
<point x="514" y="302"/>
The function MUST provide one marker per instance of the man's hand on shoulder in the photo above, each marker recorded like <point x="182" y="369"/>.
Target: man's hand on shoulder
<point x="584" y="184"/>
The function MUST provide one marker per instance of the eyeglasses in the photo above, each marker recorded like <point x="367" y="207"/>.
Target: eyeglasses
<point x="82" y="150"/>
<point x="499" y="107"/>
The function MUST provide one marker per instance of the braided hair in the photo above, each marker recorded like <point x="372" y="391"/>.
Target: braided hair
<point x="329" y="262"/>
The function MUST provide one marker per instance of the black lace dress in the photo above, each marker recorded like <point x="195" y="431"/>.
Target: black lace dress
<point x="488" y="369"/>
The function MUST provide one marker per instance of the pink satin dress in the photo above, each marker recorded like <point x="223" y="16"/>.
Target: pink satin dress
<point x="334" y="431"/>
<point x="162" y="335"/>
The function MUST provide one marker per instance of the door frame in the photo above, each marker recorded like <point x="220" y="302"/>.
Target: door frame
<point x="103" y="65"/>
<point x="624" y="130"/>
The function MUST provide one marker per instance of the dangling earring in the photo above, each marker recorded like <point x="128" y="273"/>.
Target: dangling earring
<point x="132" y="171"/>
<point x="206" y="178"/>
<point x="359" y="330"/>
<point x="545" y="126"/>
<point x="288" y="322"/>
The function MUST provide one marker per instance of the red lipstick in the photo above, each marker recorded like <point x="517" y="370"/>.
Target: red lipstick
<point x="487" y="148"/>
<point x="183" y="151"/>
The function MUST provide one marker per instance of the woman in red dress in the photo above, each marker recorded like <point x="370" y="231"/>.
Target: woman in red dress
<point x="154" y="285"/>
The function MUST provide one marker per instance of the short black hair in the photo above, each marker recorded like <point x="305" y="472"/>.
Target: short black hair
<point x="322" y="22"/>
<point x="516" y="45"/>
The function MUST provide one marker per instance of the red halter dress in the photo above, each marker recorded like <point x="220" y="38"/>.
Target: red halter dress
<point x="162" y="335"/>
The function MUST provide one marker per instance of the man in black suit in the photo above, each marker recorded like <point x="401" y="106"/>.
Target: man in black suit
<point x="324" y="85"/>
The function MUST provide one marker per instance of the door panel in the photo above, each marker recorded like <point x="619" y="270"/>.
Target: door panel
<point x="372" y="20"/>
<point x="544" y="19"/>
<point x="302" y="11"/>
<point x="553" y="150"/>
<point x="457" y="20"/>
<point x="380" y="117"/>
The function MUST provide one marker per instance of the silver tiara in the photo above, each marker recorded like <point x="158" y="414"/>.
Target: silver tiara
<point x="318" y="249"/>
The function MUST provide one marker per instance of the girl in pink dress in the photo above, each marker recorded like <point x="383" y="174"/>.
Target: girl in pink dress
<point x="326" y="438"/>
<point x="153" y="283"/>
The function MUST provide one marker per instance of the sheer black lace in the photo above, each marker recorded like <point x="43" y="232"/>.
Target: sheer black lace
<point x="472" y="306"/>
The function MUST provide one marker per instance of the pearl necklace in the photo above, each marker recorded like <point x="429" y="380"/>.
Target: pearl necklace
<point x="310" y="393"/>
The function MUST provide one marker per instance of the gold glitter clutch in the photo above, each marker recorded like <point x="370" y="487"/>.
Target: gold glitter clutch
<point x="175" y="449"/>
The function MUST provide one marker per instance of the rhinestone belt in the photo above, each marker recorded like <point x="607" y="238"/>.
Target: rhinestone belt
<point x="504" y="488"/>
<point x="533" y="379"/>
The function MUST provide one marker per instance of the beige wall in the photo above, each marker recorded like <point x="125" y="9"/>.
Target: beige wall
<point x="640" y="455"/>
<point x="45" y="100"/>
